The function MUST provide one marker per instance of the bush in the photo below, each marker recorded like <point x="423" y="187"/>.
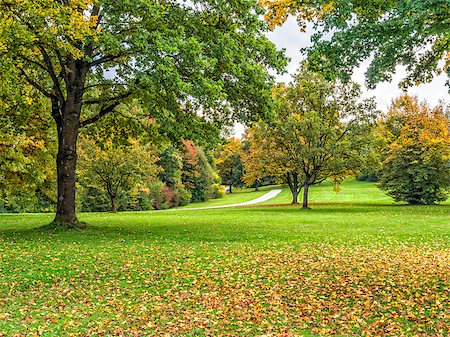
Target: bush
<point x="369" y="177"/>
<point x="413" y="175"/>
<point x="185" y="197"/>
<point x="217" y="191"/>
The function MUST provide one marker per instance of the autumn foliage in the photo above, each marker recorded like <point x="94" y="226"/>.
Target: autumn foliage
<point x="416" y="167"/>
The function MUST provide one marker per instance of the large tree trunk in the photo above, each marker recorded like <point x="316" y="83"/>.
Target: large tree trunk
<point x="66" y="161"/>
<point x="294" y="196"/>
<point x="68" y="124"/>
<point x="305" y="195"/>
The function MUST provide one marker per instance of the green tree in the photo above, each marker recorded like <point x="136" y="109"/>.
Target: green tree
<point x="87" y="57"/>
<point x="115" y="170"/>
<point x="412" y="33"/>
<point x="229" y="164"/>
<point x="27" y="179"/>
<point x="320" y="131"/>
<point x="416" y="168"/>
<point x="172" y="165"/>
<point x="197" y="175"/>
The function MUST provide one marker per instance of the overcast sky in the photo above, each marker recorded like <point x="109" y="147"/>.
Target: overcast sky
<point x="289" y="37"/>
<point x="292" y="39"/>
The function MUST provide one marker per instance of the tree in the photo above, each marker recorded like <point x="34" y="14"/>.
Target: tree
<point x="320" y="131"/>
<point x="27" y="178"/>
<point x="197" y="175"/>
<point x="416" y="168"/>
<point x="116" y="169"/>
<point x="228" y="163"/>
<point x="172" y="165"/>
<point x="410" y="33"/>
<point x="255" y="167"/>
<point x="87" y="57"/>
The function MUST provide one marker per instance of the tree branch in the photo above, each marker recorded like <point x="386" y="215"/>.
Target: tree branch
<point x="35" y="84"/>
<point x="108" y="58"/>
<point x="52" y="73"/>
<point x="107" y="99"/>
<point x="105" y="110"/>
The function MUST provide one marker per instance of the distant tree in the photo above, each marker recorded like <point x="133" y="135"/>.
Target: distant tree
<point x="416" y="168"/>
<point x="89" y="57"/>
<point x="321" y="131"/>
<point x="255" y="167"/>
<point x="228" y="163"/>
<point x="114" y="170"/>
<point x="411" y="33"/>
<point x="172" y="165"/>
<point x="197" y="175"/>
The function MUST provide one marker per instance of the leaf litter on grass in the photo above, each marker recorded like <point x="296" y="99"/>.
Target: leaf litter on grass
<point x="149" y="289"/>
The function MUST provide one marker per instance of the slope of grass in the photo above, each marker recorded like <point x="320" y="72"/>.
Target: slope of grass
<point x="239" y="195"/>
<point x="344" y="269"/>
<point x="351" y="192"/>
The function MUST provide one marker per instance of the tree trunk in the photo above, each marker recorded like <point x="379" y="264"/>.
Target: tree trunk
<point x="230" y="189"/>
<point x="67" y="115"/>
<point x="256" y="186"/>
<point x="294" y="196"/>
<point x="113" y="204"/>
<point x="66" y="161"/>
<point x="292" y="179"/>
<point x="305" y="195"/>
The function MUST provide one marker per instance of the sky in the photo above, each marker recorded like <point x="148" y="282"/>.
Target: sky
<point x="292" y="40"/>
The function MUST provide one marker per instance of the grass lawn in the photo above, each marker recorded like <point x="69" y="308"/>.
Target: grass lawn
<point x="362" y="266"/>
<point x="238" y="196"/>
<point x="351" y="191"/>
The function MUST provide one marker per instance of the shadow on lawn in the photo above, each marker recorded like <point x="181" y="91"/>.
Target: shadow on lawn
<point x="249" y="224"/>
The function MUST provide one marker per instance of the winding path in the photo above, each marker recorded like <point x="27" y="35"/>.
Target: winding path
<point x="269" y="195"/>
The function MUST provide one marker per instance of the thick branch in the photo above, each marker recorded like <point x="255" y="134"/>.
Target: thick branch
<point x="52" y="73"/>
<point x="104" y="111"/>
<point x="108" y="58"/>
<point x="41" y="66"/>
<point x="36" y="85"/>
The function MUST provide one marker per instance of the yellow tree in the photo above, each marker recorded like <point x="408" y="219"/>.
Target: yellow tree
<point x="114" y="169"/>
<point x="416" y="166"/>
<point x="228" y="163"/>
<point x="253" y="158"/>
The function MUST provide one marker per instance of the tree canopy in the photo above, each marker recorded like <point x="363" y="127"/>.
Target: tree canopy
<point x="416" y="166"/>
<point x="321" y="130"/>
<point x="412" y="33"/>
<point x="180" y="59"/>
<point x="229" y="164"/>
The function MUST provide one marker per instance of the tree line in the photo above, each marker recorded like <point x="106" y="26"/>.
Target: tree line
<point x="322" y="130"/>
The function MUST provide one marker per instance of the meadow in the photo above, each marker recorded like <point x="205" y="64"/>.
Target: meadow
<point x="354" y="264"/>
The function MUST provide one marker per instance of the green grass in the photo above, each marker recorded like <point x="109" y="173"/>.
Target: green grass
<point x="238" y="196"/>
<point x="363" y="266"/>
<point x="351" y="192"/>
